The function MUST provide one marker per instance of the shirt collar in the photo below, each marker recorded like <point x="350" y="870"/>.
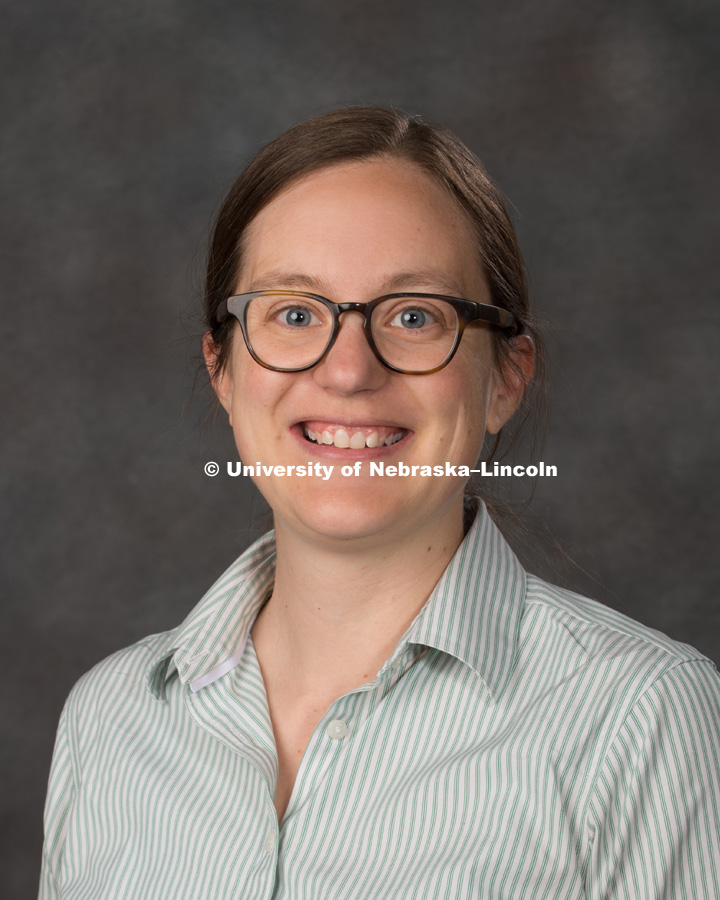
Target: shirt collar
<point x="476" y="609"/>
<point x="474" y="613"/>
<point x="219" y="625"/>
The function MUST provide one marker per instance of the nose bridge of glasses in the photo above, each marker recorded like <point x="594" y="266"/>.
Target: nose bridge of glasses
<point x="351" y="306"/>
<point x="360" y="330"/>
<point x="359" y="308"/>
<point x="360" y="318"/>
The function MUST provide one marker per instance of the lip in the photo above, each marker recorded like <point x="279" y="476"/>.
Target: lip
<point x="330" y="451"/>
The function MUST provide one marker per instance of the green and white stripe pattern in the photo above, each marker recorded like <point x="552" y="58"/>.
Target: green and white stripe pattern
<point x="520" y="742"/>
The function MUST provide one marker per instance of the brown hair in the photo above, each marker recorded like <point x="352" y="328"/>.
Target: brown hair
<point x="362" y="133"/>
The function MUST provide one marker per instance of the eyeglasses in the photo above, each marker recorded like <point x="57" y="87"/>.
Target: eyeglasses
<point x="414" y="334"/>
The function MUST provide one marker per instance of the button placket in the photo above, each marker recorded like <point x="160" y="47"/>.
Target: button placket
<point x="321" y="753"/>
<point x="328" y="744"/>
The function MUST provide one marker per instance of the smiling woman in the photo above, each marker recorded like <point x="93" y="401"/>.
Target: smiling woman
<point x="376" y="700"/>
<point x="358" y="230"/>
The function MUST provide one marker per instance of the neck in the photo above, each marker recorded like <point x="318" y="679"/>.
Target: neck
<point x="338" y="610"/>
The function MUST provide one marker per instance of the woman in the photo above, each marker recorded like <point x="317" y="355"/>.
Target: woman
<point x="377" y="701"/>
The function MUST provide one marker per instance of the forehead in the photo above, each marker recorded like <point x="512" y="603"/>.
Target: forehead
<point x="362" y="222"/>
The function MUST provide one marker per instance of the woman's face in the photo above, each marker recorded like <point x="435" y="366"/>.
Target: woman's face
<point x="352" y="232"/>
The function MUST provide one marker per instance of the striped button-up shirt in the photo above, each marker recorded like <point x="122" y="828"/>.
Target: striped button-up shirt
<point x="520" y="742"/>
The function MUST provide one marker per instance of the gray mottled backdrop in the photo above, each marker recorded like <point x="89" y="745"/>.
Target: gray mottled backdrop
<point x="122" y="126"/>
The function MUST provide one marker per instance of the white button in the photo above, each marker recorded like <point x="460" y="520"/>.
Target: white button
<point x="395" y="664"/>
<point x="270" y="842"/>
<point x="337" y="729"/>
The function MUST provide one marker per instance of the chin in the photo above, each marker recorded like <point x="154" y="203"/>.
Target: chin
<point x="357" y="516"/>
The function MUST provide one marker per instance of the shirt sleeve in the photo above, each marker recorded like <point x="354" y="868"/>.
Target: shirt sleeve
<point x="654" y="811"/>
<point x="58" y="805"/>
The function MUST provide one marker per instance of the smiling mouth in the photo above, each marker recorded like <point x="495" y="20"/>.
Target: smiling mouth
<point x="354" y="437"/>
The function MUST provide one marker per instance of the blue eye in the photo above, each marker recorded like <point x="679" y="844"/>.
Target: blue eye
<point x="297" y="316"/>
<point x="288" y="314"/>
<point x="411" y="318"/>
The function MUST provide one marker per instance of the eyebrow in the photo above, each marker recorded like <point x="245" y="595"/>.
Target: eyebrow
<point x="421" y="279"/>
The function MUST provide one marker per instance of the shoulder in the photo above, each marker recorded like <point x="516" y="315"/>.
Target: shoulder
<point x="127" y="663"/>
<point x="597" y="628"/>
<point x="116" y="686"/>
<point x="617" y="658"/>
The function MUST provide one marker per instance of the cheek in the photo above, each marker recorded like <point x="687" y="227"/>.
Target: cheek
<point x="470" y="383"/>
<point x="465" y="402"/>
<point x="259" y="404"/>
<point x="244" y="403"/>
<point x="479" y="368"/>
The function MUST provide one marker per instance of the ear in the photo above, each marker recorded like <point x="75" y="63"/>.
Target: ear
<point x="510" y="383"/>
<point x="221" y="381"/>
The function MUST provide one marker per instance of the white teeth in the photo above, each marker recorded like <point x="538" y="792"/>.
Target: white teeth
<point x="342" y="439"/>
<point x="357" y="441"/>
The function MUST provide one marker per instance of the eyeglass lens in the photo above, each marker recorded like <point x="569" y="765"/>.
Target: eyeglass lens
<point x="413" y="334"/>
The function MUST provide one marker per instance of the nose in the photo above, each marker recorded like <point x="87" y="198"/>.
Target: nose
<point x="350" y="365"/>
